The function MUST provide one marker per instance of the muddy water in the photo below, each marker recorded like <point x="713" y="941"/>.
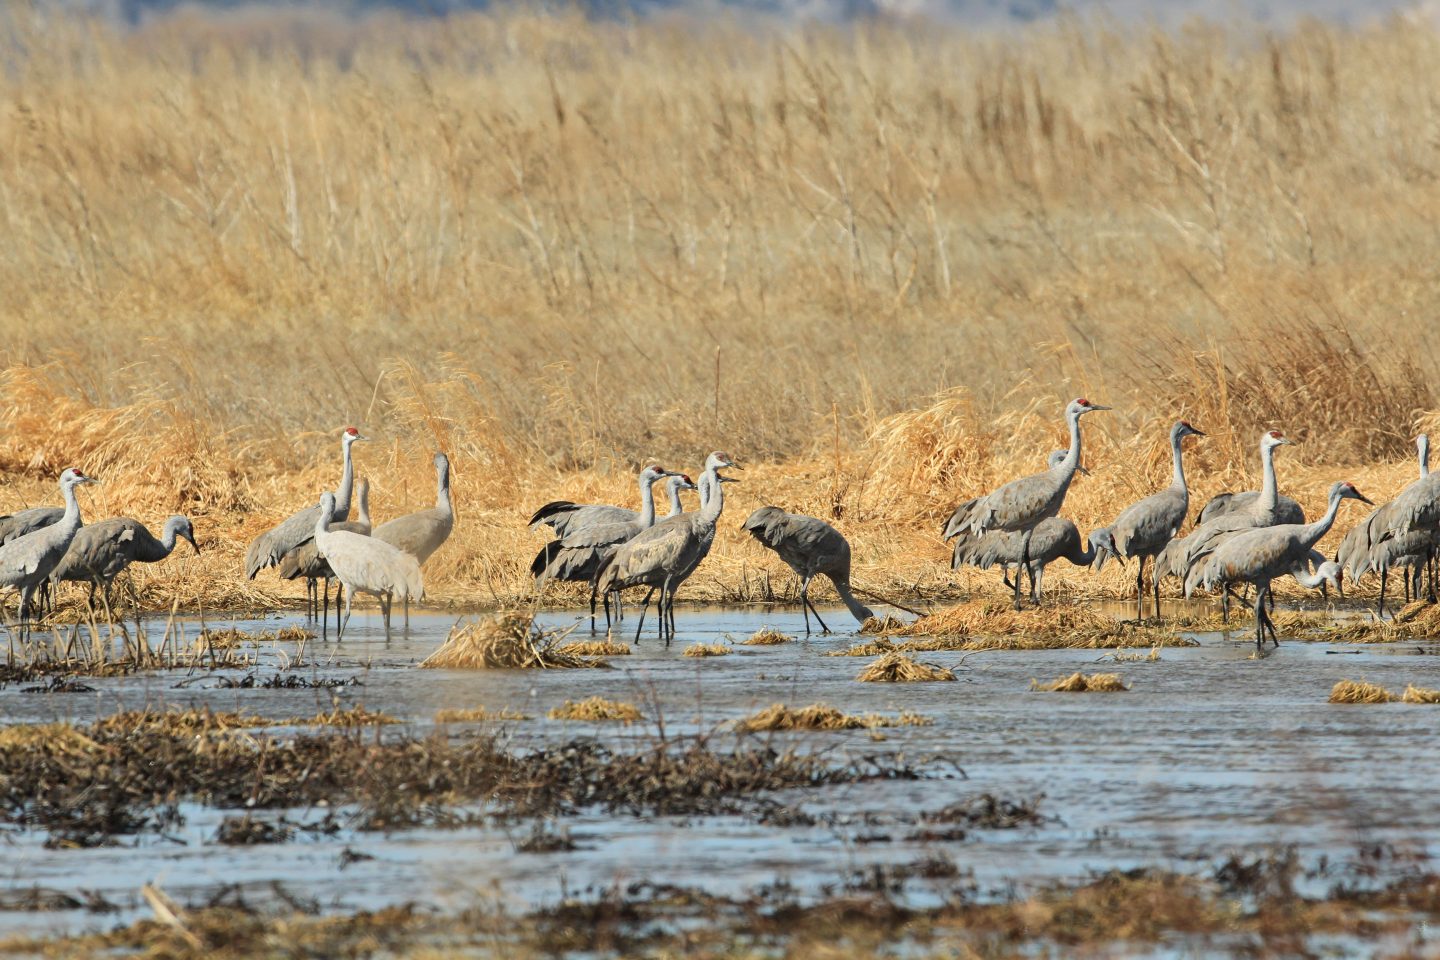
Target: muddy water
<point x="1211" y="752"/>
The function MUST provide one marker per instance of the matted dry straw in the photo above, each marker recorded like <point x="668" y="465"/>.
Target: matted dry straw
<point x="822" y="716"/>
<point x="477" y="715"/>
<point x="597" y="708"/>
<point x="874" y="648"/>
<point x="899" y="668"/>
<point x="767" y="637"/>
<point x="593" y="648"/>
<point x="1358" y="691"/>
<point x="707" y="650"/>
<point x="1083" y="683"/>
<point x="506" y="641"/>
<point x="993" y="625"/>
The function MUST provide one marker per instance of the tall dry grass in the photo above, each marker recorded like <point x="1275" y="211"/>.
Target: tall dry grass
<point x="873" y="260"/>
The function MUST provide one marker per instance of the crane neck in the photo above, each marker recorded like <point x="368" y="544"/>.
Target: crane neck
<point x="1424" y="460"/>
<point x="857" y="609"/>
<point x="168" y="536"/>
<point x="1072" y="456"/>
<point x="442" y="489"/>
<point x="673" y="489"/>
<point x="1082" y="558"/>
<point x="1177" y="459"/>
<point x="363" y="511"/>
<point x="715" y="502"/>
<point x="1318" y="529"/>
<point x="647" y="501"/>
<point x="1269" y="489"/>
<point x="347" y="483"/>
<point x="70" y="519"/>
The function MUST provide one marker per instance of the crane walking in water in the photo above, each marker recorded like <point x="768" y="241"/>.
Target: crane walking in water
<point x="421" y="533"/>
<point x="1145" y="528"/>
<point x="101" y="551"/>
<point x="270" y="547"/>
<point x="581" y="555"/>
<point x="665" y="555"/>
<point x="27" y="561"/>
<point x="305" y="561"/>
<point x="1261" y="555"/>
<point x="1020" y="505"/>
<point x="365" y="565"/>
<point x="1054" y="538"/>
<point x="810" y="547"/>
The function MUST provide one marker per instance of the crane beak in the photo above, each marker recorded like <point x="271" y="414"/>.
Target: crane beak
<point x="1363" y="499"/>
<point x="1196" y="433"/>
<point x="726" y="479"/>
<point x="193" y="544"/>
<point x="1099" y="406"/>
<point x="1082" y="471"/>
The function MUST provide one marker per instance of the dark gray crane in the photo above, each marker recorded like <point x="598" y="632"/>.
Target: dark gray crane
<point x="100" y="552"/>
<point x="810" y="547"/>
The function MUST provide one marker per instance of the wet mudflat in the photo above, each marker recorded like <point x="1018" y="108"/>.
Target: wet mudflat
<point x="1209" y="754"/>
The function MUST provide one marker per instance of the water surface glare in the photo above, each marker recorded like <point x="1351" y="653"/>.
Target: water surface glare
<point x="1211" y="752"/>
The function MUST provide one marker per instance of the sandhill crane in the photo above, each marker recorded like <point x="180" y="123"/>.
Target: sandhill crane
<point x="566" y="517"/>
<point x="100" y="552"/>
<point x="1367" y="546"/>
<point x="26" y="562"/>
<point x="421" y="533"/>
<point x="1259" y="556"/>
<point x="968" y="546"/>
<point x="305" y="561"/>
<point x="270" y="547"/>
<point x="580" y="556"/>
<point x="663" y="556"/>
<point x="809" y="546"/>
<point x="365" y="565"/>
<point x="1416" y="509"/>
<point x="1287" y="509"/>
<point x="1020" y="505"/>
<point x="1145" y="528"/>
<point x="673" y="486"/>
<point x="1181" y="554"/>
<point x="21" y="522"/>
<point x="1053" y="538"/>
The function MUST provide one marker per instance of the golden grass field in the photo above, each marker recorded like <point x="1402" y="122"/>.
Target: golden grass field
<point x="872" y="262"/>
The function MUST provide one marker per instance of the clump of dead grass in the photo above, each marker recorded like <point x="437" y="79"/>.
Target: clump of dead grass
<point x="506" y="641"/>
<point x="899" y="668"/>
<point x="886" y="624"/>
<point x="1358" y="691"/>
<point x="821" y="716"/>
<point x="477" y="715"/>
<point x="994" y="625"/>
<point x="176" y="722"/>
<point x="1082" y="683"/>
<point x="356" y="716"/>
<point x="593" y="648"/>
<point x="707" y="650"/>
<point x="597" y="708"/>
<point x="874" y="648"/>
<point x="1414" y="694"/>
<point x="767" y="637"/>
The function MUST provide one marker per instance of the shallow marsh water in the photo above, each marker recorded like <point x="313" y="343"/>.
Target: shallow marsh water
<point x="1211" y="752"/>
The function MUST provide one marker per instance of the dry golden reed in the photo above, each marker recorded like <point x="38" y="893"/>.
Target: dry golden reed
<point x="599" y="191"/>
<point x="1083" y="683"/>
<point x="707" y="650"/>
<point x="505" y="641"/>
<point x="593" y="648"/>
<point x="596" y="708"/>
<point x="477" y="715"/>
<point x="899" y="668"/>
<point x="822" y="716"/>
<point x="766" y="637"/>
<point x="1358" y="691"/>
<point x="1414" y="694"/>
<point x="994" y="625"/>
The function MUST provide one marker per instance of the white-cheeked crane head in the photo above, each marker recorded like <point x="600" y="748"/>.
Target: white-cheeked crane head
<point x="1345" y="490"/>
<point x="1183" y="429"/>
<point x="327" y="504"/>
<point x="1080" y="406"/>
<point x="1332" y="573"/>
<point x="184" y="530"/>
<point x="1274" y="438"/>
<point x="351" y="435"/>
<point x="682" y="481"/>
<point x="74" y="477"/>
<point x="654" y="471"/>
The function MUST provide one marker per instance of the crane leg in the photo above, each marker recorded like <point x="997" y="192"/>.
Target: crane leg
<point x="805" y="599"/>
<point x="339" y="589"/>
<point x="1024" y="563"/>
<point x="407" y="614"/>
<point x="1259" y="621"/>
<point x="1270" y="624"/>
<point x="1384" y="578"/>
<point x="1155" y="587"/>
<point x="1005" y="576"/>
<point x="325" y="615"/>
<point x="670" y="606"/>
<point x="1140" y="591"/>
<point x="385" y="601"/>
<point x="1037" y="584"/>
<point x="644" y="606"/>
<point x="342" y="624"/>
<point x="805" y="602"/>
<point x="665" y="612"/>
<point x="26" y="593"/>
<point x="592" y="607"/>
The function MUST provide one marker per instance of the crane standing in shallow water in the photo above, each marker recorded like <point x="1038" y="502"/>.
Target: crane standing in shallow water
<point x="1369" y="546"/>
<point x="1145" y="528"/>
<point x="305" y="561"/>
<point x="421" y="533"/>
<point x="810" y="547"/>
<point x="1020" y="505"/>
<point x="663" y="557"/>
<point x="270" y="547"/>
<point x="1261" y="555"/>
<point x="101" y="551"/>
<point x="26" y="562"/>
<point x="365" y="565"/>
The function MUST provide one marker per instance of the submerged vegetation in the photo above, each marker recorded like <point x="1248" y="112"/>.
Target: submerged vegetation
<point x="1083" y="683"/>
<point x="822" y="716"/>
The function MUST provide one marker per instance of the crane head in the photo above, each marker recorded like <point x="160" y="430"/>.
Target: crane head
<point x="1345" y="490"/>
<point x="350" y="435"/>
<point x="720" y="459"/>
<point x="1184" y="429"/>
<point x="1275" y="439"/>
<point x="74" y="476"/>
<point x="184" y="529"/>
<point x="1081" y="406"/>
